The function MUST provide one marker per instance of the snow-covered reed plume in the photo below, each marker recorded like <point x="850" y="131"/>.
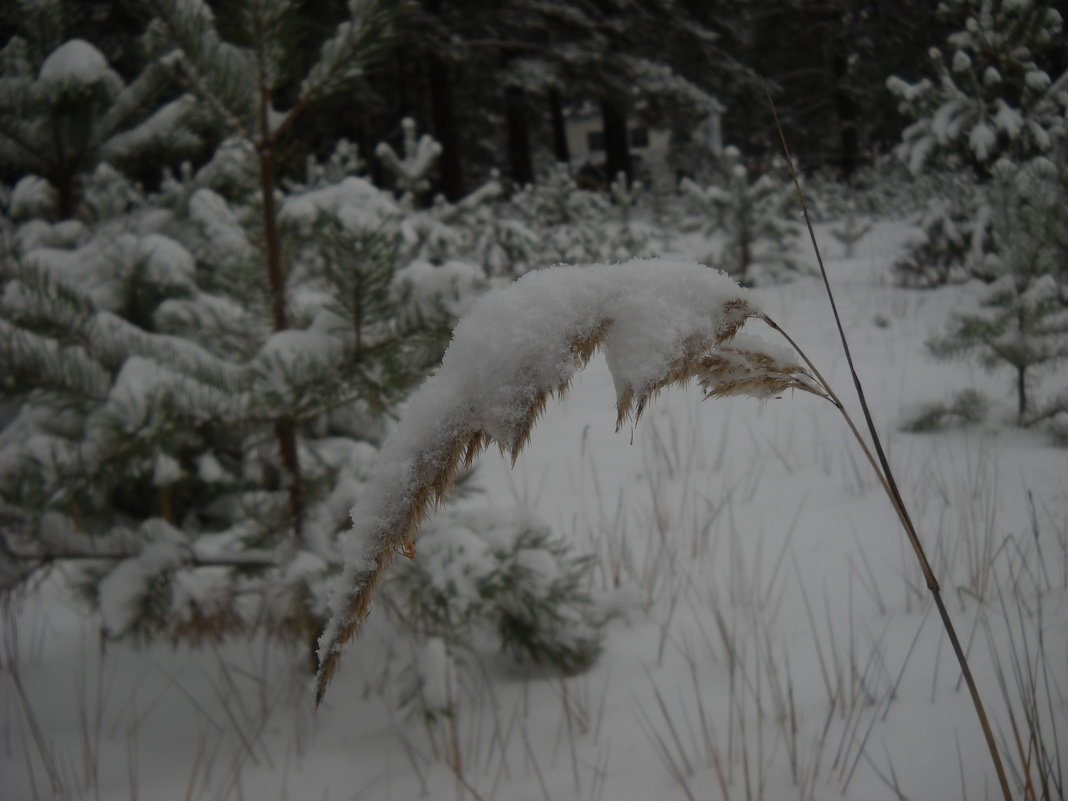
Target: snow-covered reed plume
<point x="658" y="323"/>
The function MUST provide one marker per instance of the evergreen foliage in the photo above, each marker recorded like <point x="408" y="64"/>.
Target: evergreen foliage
<point x="993" y="99"/>
<point x="503" y="581"/>
<point x="953" y="237"/>
<point x="202" y="374"/>
<point x="1022" y="319"/>
<point x="64" y="110"/>
<point x="410" y="171"/>
<point x="992" y="96"/>
<point x="966" y="408"/>
<point x="153" y="377"/>
<point x="754" y="217"/>
<point x="150" y="394"/>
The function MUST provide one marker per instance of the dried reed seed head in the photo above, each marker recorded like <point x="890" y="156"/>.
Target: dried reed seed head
<point x="734" y="371"/>
<point x="437" y="470"/>
<point x="584" y="347"/>
<point x="736" y="312"/>
<point x="476" y="444"/>
<point x="357" y="608"/>
<point x="632" y="404"/>
<point x="521" y="435"/>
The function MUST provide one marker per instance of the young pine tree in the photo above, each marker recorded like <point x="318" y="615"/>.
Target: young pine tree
<point x="993" y="95"/>
<point x="753" y="216"/>
<point x="239" y="84"/>
<point x="64" y="110"/>
<point x="1022" y="319"/>
<point x="200" y="378"/>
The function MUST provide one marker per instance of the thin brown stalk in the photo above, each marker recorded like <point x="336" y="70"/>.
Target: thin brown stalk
<point x="886" y="475"/>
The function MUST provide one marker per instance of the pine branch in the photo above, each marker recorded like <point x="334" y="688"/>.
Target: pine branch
<point x="357" y="43"/>
<point x="220" y="73"/>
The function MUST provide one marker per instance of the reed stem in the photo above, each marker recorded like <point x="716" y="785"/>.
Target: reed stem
<point x="882" y="468"/>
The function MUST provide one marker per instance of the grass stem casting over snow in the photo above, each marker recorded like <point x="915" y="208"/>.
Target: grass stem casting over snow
<point x="886" y="476"/>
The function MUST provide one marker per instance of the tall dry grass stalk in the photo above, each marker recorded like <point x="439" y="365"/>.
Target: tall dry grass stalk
<point x="723" y="362"/>
<point x="886" y="475"/>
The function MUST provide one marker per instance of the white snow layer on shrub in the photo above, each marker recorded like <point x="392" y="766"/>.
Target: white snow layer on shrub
<point x="124" y="588"/>
<point x="76" y="63"/>
<point x="32" y="196"/>
<point x="515" y="342"/>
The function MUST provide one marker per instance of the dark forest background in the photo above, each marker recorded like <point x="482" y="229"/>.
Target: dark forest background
<point x="491" y="80"/>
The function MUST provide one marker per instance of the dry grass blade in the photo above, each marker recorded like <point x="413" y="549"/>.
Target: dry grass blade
<point x="734" y="370"/>
<point x="659" y="324"/>
<point x="886" y="475"/>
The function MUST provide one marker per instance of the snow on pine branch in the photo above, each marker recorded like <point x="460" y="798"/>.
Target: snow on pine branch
<point x="658" y="323"/>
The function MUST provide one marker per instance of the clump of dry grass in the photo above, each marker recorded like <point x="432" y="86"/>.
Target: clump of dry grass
<point x="721" y="362"/>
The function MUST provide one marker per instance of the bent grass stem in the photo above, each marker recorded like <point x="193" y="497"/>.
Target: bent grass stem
<point x="882" y="468"/>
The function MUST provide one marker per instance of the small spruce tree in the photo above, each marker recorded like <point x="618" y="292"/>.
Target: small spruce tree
<point x="992" y="96"/>
<point x="1022" y="320"/>
<point x="754" y="217"/>
<point x="64" y="111"/>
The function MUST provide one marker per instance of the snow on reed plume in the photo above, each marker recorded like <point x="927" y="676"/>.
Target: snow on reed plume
<point x="658" y="323"/>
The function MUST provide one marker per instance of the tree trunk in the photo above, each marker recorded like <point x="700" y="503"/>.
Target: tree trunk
<point x="616" y="146"/>
<point x="846" y="112"/>
<point x="556" y="110"/>
<point x="1021" y="394"/>
<point x="284" y="429"/>
<point x="443" y="118"/>
<point x="518" y="137"/>
<point x="66" y="196"/>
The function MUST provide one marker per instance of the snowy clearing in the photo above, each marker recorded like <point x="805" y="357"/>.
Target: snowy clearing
<point x="770" y="638"/>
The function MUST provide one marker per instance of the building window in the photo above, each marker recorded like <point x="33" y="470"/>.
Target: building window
<point x="595" y="140"/>
<point x="639" y="137"/>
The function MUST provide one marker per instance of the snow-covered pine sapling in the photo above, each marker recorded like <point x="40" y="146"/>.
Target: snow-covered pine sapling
<point x="344" y="161"/>
<point x="1022" y="318"/>
<point x="659" y="323"/>
<point x="755" y="217"/>
<point x="992" y="96"/>
<point x="237" y="83"/>
<point x="953" y="236"/>
<point x="411" y="171"/>
<point x="630" y="242"/>
<point x="62" y="117"/>
<point x="500" y="578"/>
<point x="967" y="407"/>
<point x="570" y="221"/>
<point x="851" y="229"/>
<point x="493" y="235"/>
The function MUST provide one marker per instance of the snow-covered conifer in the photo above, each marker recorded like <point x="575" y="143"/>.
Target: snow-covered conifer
<point x="502" y="578"/>
<point x="569" y="220"/>
<point x="410" y="169"/>
<point x="754" y="217"/>
<point x="1022" y="317"/>
<point x="198" y="421"/>
<point x="992" y="95"/>
<point x="63" y="116"/>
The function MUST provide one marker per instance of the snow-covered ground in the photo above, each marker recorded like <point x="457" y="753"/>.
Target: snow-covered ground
<point x="771" y="637"/>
